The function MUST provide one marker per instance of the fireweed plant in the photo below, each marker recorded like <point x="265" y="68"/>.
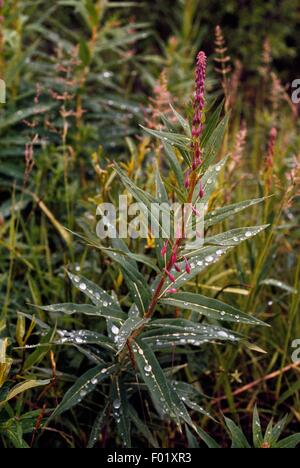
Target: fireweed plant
<point x="135" y="370"/>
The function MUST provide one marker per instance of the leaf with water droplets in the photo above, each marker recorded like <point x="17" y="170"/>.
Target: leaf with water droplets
<point x="257" y="430"/>
<point x="153" y="376"/>
<point x="86" y="384"/>
<point x="280" y="285"/>
<point x="133" y="323"/>
<point x="174" y="163"/>
<point x="98" y="425"/>
<point x="221" y="214"/>
<point x="211" y="308"/>
<point x="86" y="309"/>
<point x="173" y="139"/>
<point x="97" y="295"/>
<point x="239" y="441"/>
<point x="200" y="260"/>
<point x="85" y="337"/>
<point x="165" y="333"/>
<point x="235" y="236"/>
<point x="209" y="181"/>
<point x="120" y="409"/>
<point x="214" y="143"/>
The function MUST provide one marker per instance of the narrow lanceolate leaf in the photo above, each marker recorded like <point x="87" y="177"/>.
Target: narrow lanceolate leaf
<point x="135" y="281"/>
<point x="235" y="236"/>
<point x="23" y="387"/>
<point x="142" y="427"/>
<point x="200" y="260"/>
<point x="289" y="443"/>
<point x="149" y="202"/>
<point x="83" y="387"/>
<point x="85" y="337"/>
<point x="183" y="415"/>
<point x="210" y="308"/>
<point x="180" y="332"/>
<point x="221" y="214"/>
<point x="96" y="294"/>
<point x="86" y="309"/>
<point x="153" y="376"/>
<point x="209" y="181"/>
<point x="133" y="323"/>
<point x="239" y="441"/>
<point x="280" y="285"/>
<point x="214" y="143"/>
<point x="173" y="139"/>
<point x="98" y="425"/>
<point x="121" y="412"/>
<point x="257" y="430"/>
<point x="43" y="349"/>
<point x="174" y="163"/>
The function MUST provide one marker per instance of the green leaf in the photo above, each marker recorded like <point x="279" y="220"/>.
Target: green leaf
<point x="86" y="384"/>
<point x="180" y="332"/>
<point x="239" y="441"/>
<point x="221" y="214"/>
<point x="174" y="163"/>
<point x="200" y="260"/>
<point x="86" y="309"/>
<point x="257" y="430"/>
<point x="209" y="181"/>
<point x="280" y="285"/>
<point x="289" y="443"/>
<point x="97" y="295"/>
<point x="121" y="412"/>
<point x="98" y="425"/>
<point x="85" y="337"/>
<point x="215" y="141"/>
<point x="134" y="322"/>
<point x="153" y="376"/>
<point x="173" y="139"/>
<point x="235" y="236"/>
<point x="142" y="427"/>
<point x="42" y="350"/>
<point x="210" y="308"/>
<point x="23" y="387"/>
<point x="84" y="52"/>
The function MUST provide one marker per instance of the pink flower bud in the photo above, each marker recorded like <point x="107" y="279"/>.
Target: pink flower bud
<point x="171" y="291"/>
<point x="201" y="191"/>
<point x="187" y="266"/>
<point x="165" y="248"/>
<point x="170" y="276"/>
<point x="177" y="268"/>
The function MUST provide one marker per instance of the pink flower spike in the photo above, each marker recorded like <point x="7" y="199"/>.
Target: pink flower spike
<point x="187" y="266"/>
<point x="165" y="248"/>
<point x="170" y="276"/>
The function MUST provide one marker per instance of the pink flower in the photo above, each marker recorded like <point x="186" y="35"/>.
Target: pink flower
<point x="177" y="268"/>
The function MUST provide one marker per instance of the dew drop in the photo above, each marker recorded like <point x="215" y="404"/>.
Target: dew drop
<point x="117" y="404"/>
<point x="115" y="330"/>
